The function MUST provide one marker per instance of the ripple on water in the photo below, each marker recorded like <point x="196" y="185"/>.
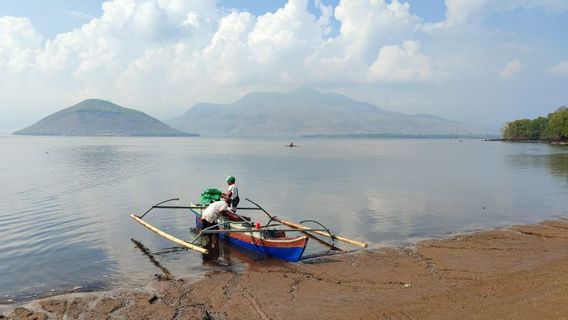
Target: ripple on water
<point x="42" y="239"/>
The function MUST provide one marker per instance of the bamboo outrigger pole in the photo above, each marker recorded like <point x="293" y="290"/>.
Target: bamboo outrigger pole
<point x="302" y="227"/>
<point x="193" y="206"/>
<point x="311" y="236"/>
<point x="168" y="236"/>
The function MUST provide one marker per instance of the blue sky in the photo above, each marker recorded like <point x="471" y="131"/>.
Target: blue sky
<point x="478" y="61"/>
<point x="54" y="16"/>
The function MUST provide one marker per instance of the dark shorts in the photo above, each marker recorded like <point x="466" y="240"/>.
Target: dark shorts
<point x="234" y="203"/>
<point x="207" y="224"/>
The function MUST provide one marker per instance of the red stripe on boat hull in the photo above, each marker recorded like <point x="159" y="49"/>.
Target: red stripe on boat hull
<point x="275" y="243"/>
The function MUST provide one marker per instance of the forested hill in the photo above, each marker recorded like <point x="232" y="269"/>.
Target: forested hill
<point x="94" y="117"/>
<point x="553" y="128"/>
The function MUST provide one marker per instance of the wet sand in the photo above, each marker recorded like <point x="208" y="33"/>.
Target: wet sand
<point x="519" y="272"/>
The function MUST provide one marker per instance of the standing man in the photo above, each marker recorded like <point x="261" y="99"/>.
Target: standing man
<point x="232" y="194"/>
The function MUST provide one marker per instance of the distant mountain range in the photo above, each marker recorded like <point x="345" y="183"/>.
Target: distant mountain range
<point x="95" y="117"/>
<point x="301" y="112"/>
<point x="307" y="112"/>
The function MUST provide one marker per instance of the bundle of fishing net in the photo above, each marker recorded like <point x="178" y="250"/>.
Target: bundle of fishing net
<point x="210" y="195"/>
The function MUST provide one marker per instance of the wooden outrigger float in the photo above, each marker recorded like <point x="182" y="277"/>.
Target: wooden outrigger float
<point x="169" y="236"/>
<point x="270" y="239"/>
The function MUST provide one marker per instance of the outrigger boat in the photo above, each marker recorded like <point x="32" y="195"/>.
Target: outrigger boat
<point x="271" y="239"/>
<point x="268" y="241"/>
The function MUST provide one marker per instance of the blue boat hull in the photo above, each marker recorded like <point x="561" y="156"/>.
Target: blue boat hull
<point x="291" y="254"/>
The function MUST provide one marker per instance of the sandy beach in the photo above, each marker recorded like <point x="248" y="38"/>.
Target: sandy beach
<point x="520" y="272"/>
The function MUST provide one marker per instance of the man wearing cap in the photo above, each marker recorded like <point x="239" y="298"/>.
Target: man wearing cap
<point x="232" y="194"/>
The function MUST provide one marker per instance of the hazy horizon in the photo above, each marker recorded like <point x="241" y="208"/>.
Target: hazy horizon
<point x="480" y="62"/>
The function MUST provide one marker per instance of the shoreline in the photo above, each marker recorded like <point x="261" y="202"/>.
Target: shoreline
<point x="551" y="142"/>
<point x="518" y="272"/>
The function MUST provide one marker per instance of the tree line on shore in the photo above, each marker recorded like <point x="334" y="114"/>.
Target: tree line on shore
<point x="552" y="128"/>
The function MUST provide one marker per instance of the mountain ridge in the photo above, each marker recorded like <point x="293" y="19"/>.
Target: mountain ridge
<point x="308" y="112"/>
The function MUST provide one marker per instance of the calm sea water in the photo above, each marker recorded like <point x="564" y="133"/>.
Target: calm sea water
<point x="65" y="202"/>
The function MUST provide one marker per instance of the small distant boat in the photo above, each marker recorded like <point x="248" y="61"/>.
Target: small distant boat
<point x="291" y="145"/>
<point x="270" y="240"/>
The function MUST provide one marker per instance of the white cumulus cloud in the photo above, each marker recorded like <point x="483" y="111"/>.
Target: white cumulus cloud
<point x="511" y="70"/>
<point x="188" y="49"/>
<point x="401" y="63"/>
<point x="368" y="25"/>
<point x="19" y="42"/>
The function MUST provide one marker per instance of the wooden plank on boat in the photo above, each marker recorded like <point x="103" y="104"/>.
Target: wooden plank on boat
<point x="303" y="227"/>
<point x="168" y="236"/>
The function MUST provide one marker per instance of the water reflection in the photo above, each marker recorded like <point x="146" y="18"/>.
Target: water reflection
<point x="558" y="165"/>
<point x="555" y="162"/>
<point x="96" y="165"/>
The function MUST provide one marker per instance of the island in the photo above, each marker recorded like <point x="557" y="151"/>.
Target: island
<point x="95" y="117"/>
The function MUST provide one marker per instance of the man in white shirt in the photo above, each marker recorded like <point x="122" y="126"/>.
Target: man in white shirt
<point x="213" y="212"/>
<point x="232" y="194"/>
<point x="209" y="219"/>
